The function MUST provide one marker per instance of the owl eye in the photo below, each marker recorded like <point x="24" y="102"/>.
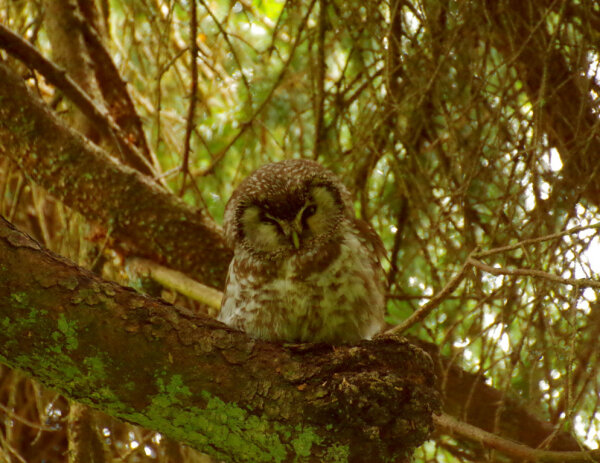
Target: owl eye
<point x="309" y="211"/>
<point x="266" y="218"/>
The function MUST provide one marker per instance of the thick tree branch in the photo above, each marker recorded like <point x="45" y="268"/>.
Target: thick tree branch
<point x="25" y="52"/>
<point x="197" y="381"/>
<point x="69" y="51"/>
<point x="158" y="224"/>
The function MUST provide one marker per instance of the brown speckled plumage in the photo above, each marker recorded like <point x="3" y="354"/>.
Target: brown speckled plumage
<point x="304" y="268"/>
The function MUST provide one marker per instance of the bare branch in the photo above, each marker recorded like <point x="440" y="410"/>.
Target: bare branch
<point x="178" y="281"/>
<point x="189" y="126"/>
<point x="450" y="425"/>
<point x="530" y="272"/>
<point x="538" y="239"/>
<point x="263" y="104"/>
<point x="427" y="308"/>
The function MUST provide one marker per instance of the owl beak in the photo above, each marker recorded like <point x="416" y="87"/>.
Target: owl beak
<point x="295" y="239"/>
<point x="292" y="231"/>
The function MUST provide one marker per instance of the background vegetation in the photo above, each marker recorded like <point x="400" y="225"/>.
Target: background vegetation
<point x="459" y="126"/>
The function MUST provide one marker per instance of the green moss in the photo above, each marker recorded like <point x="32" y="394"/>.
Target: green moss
<point x="304" y="442"/>
<point x="87" y="295"/>
<point x="337" y="453"/>
<point x="175" y="388"/>
<point x="95" y="367"/>
<point x="69" y="330"/>
<point x="52" y="366"/>
<point x="220" y="425"/>
<point x="20" y="299"/>
<point x="220" y="428"/>
<point x="13" y="327"/>
<point x="171" y="393"/>
<point x="70" y="282"/>
<point x="104" y="395"/>
<point x="223" y="426"/>
<point x="130" y="386"/>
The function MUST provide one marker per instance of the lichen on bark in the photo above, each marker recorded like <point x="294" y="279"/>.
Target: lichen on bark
<point x="199" y="382"/>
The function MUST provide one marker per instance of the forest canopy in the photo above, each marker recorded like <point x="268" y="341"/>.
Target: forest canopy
<point x="467" y="132"/>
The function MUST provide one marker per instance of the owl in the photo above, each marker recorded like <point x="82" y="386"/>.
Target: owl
<point x="304" y="268"/>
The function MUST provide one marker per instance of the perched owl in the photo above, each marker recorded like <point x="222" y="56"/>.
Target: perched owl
<point x="304" y="268"/>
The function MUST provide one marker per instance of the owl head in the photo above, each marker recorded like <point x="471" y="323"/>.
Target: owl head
<point x="287" y="207"/>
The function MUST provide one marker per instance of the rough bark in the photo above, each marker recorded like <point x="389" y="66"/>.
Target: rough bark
<point x="110" y="83"/>
<point x="69" y="51"/>
<point x="93" y="109"/>
<point x="78" y="48"/>
<point x="199" y="382"/>
<point x="85" y="178"/>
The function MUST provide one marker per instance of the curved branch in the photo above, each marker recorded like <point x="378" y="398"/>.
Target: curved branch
<point x="535" y="273"/>
<point x="137" y="211"/>
<point x="435" y="301"/>
<point x="199" y="382"/>
<point x="485" y="404"/>
<point x="26" y="53"/>
<point x="452" y="426"/>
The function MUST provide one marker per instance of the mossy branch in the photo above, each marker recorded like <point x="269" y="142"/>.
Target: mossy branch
<point x="158" y="224"/>
<point x="199" y="382"/>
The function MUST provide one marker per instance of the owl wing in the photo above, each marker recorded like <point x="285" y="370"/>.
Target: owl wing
<point x="370" y="237"/>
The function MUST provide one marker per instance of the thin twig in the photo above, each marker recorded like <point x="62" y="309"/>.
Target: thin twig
<point x="189" y="127"/>
<point x="400" y="222"/>
<point x="248" y="123"/>
<point x="538" y="239"/>
<point x="11" y="449"/>
<point x="221" y="154"/>
<point x="450" y="425"/>
<point x="13" y="416"/>
<point x="421" y="313"/>
<point x="530" y="272"/>
<point x="320" y="79"/>
<point x="426" y="309"/>
<point x="233" y="52"/>
<point x="284" y="9"/>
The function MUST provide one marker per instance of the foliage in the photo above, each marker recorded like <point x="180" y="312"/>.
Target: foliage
<point x="431" y="117"/>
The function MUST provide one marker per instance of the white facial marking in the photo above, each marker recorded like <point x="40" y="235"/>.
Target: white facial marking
<point x="265" y="236"/>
